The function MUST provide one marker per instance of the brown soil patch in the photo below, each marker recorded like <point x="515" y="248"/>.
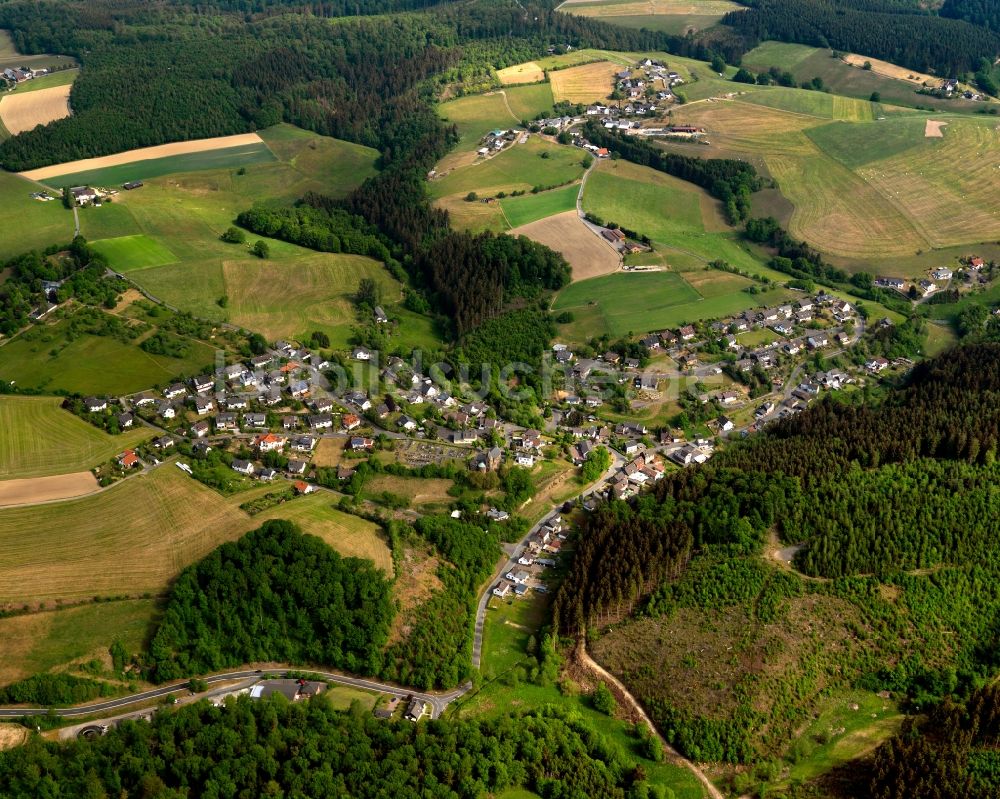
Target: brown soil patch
<point x="130" y="296"/>
<point x="24" y="111"/>
<point x="32" y="490"/>
<point x="934" y="129"/>
<point x="131" y="156"/>
<point x="521" y="73"/>
<point x="566" y="233"/>
<point x="417" y="581"/>
<point x="329" y="452"/>
<point x="12" y="735"/>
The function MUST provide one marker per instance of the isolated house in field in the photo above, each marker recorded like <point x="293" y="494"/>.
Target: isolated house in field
<point x="129" y="460"/>
<point x="361" y="354"/>
<point x="83" y="195"/>
<point x="302" y="487"/>
<point x="380" y="317"/>
<point x="95" y="404"/>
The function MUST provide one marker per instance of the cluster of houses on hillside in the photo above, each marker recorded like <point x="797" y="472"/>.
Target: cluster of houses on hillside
<point x="540" y="552"/>
<point x="496" y="140"/>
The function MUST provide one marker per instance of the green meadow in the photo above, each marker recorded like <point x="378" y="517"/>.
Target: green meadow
<point x="137" y="251"/>
<point x="522" y="210"/>
<point x="225" y="158"/>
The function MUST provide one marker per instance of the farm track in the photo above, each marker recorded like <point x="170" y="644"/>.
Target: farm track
<point x="587" y="662"/>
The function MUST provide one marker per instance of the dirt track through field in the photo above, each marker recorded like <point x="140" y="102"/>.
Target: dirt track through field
<point x="34" y="490"/>
<point x="24" y="111"/>
<point x="566" y="233"/>
<point x="131" y="156"/>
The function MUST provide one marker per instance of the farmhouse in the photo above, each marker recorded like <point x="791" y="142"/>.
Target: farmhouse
<point x="132" y="185"/>
<point x="83" y="195"/>
<point x="613" y="235"/>
<point x="95" y="404"/>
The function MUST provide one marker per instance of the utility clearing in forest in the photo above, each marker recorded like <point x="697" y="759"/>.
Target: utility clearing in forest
<point x="24" y="111"/>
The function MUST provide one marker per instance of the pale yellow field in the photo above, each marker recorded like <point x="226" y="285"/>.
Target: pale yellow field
<point x="12" y="735"/>
<point x="753" y="128"/>
<point x="528" y="72"/>
<point x="889" y="70"/>
<point x="131" y="156"/>
<point x="24" y="111"/>
<point x="329" y="452"/>
<point x="598" y="8"/>
<point x="587" y="83"/>
<point x="587" y="254"/>
<point x="934" y="129"/>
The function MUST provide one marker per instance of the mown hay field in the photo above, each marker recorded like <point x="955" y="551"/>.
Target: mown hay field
<point x="588" y="255"/>
<point x="133" y="538"/>
<point x="294" y="297"/>
<point x="21" y="111"/>
<point x="587" y="83"/>
<point x="40" y="438"/>
<point x="865" y="189"/>
<point x="528" y="72"/>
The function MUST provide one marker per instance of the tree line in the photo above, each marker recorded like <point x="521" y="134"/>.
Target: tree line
<point x="276" y="748"/>
<point x="900" y="33"/>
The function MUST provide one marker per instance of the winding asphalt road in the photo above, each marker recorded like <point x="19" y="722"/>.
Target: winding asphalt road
<point x="617" y="462"/>
<point x="438" y="702"/>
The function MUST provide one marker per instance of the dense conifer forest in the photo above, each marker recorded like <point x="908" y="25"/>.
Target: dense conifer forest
<point x="900" y="33"/>
<point x="307" y="749"/>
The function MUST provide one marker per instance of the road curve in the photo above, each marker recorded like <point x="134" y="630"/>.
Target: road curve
<point x="438" y="702"/>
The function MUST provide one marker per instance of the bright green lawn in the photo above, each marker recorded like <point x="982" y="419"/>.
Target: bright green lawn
<point x="527" y="102"/>
<point x="44" y="358"/>
<point x="127" y="253"/>
<point x="520" y="166"/>
<point x="522" y="210"/>
<point x="628" y="302"/>
<point x="226" y="158"/>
